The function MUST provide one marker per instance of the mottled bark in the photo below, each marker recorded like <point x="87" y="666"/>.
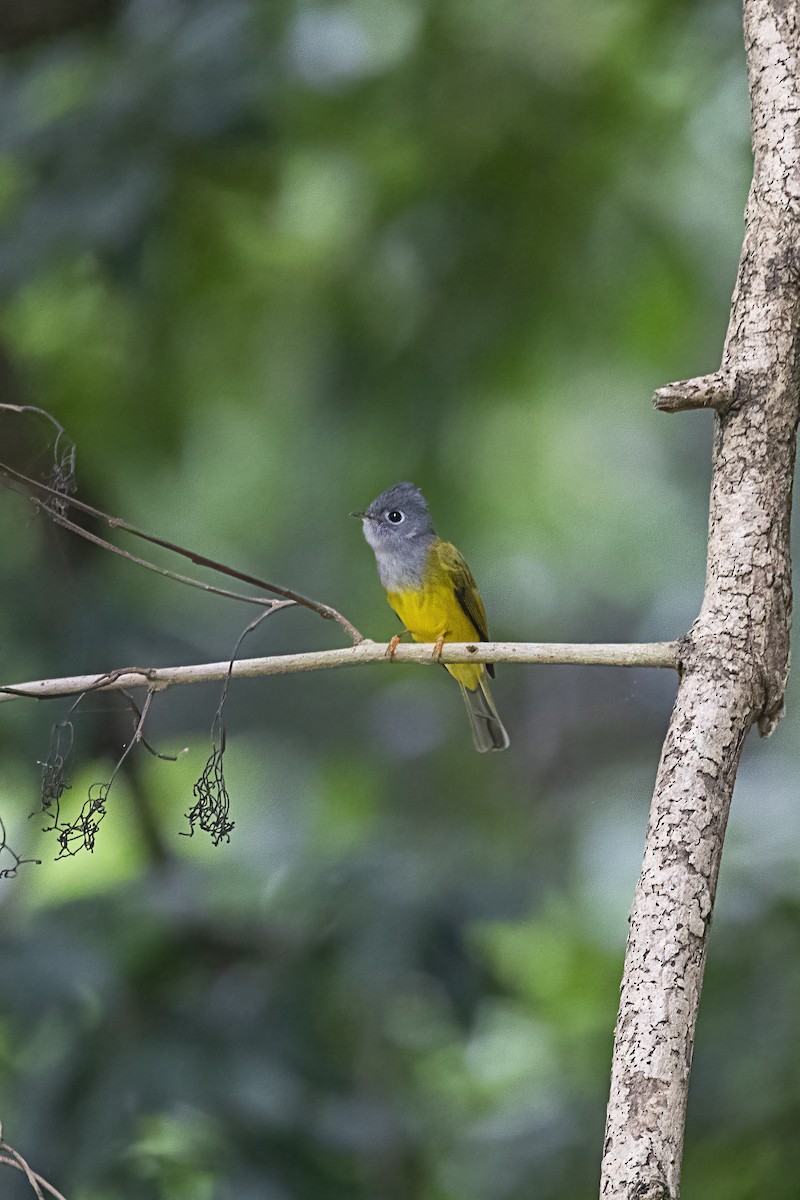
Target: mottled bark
<point x="735" y="659"/>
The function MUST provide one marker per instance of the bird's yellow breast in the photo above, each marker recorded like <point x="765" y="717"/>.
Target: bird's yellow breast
<point x="433" y="611"/>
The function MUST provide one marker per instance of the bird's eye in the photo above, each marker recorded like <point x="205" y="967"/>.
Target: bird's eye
<point x="394" y="516"/>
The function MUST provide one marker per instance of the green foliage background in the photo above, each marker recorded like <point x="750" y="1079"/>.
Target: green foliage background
<point x="263" y="259"/>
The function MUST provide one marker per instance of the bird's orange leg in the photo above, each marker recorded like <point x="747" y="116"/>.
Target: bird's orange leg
<point x="437" y="649"/>
<point x="393" y="644"/>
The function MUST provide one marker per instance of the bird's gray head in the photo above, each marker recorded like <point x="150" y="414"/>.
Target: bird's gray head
<point x="398" y="527"/>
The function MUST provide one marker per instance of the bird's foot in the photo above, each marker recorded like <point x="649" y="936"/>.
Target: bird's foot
<point x="393" y="644"/>
<point x="437" y="649"/>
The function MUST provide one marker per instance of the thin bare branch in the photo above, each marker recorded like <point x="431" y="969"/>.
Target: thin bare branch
<point x="42" y="412"/>
<point x="36" y="490"/>
<point x="137" y="734"/>
<point x="627" y="654"/>
<point x="142" y="739"/>
<point x="12" y="1158"/>
<point x="65" y="523"/>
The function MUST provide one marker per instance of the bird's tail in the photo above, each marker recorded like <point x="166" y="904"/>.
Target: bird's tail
<point x="488" y="731"/>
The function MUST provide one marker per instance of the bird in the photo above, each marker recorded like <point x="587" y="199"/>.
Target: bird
<point x="432" y="590"/>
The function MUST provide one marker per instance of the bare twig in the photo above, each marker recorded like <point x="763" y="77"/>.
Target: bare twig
<point x="627" y="654"/>
<point x="12" y="1158"/>
<point x="55" y="515"/>
<point x="142" y="739"/>
<point x="42" y="412"/>
<point x="36" y="490"/>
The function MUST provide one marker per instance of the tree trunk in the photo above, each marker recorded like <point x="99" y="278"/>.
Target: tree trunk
<point x="735" y="659"/>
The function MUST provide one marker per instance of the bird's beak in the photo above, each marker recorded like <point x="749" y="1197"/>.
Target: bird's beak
<point x="362" y="516"/>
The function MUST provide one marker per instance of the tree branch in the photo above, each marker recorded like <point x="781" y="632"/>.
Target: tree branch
<point x="736" y="657"/>
<point x="12" y="1158"/>
<point x="155" y="679"/>
<point x="704" y="391"/>
<point x="51" y="500"/>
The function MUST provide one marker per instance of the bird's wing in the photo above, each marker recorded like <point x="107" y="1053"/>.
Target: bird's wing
<point x="466" y="591"/>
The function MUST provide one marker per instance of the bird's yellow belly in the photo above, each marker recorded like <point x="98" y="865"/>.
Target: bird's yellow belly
<point x="431" y="613"/>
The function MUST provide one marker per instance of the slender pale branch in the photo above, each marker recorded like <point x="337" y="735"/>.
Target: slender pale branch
<point x="626" y="654"/>
<point x="48" y="499"/>
<point x="12" y="1158"/>
<point x="41" y="412"/>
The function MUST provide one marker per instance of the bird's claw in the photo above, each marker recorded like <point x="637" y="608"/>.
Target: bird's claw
<point x="393" y="644"/>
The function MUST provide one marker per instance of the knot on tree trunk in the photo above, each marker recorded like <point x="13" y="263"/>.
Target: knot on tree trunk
<point x="758" y="673"/>
<point x="652" y="1189"/>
